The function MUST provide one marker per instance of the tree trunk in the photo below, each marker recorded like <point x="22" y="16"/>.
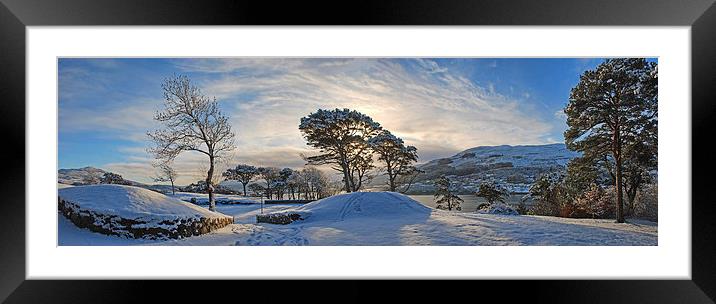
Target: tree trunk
<point x="391" y="177"/>
<point x="632" y="188"/>
<point x="631" y="197"/>
<point x="209" y="186"/>
<point x="172" y="181"/>
<point x="345" y="167"/>
<point x="391" y="180"/>
<point x="618" y="164"/>
<point x="244" y="184"/>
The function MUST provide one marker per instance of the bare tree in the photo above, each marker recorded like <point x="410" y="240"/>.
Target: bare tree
<point x="192" y="122"/>
<point x="166" y="173"/>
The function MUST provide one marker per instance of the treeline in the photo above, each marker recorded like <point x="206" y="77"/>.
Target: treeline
<point x="308" y="183"/>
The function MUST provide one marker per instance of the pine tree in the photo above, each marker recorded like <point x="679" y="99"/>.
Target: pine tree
<point x="270" y="175"/>
<point x="547" y="191"/>
<point x="342" y="137"/>
<point x="612" y="107"/>
<point x="492" y="192"/>
<point x="242" y="173"/>
<point x="112" y="178"/>
<point x="445" y="199"/>
<point x="395" y="155"/>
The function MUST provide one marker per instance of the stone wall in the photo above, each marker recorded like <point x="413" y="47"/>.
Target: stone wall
<point x="278" y="218"/>
<point x="131" y="228"/>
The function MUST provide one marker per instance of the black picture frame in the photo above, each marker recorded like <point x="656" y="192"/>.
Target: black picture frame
<point x="16" y="15"/>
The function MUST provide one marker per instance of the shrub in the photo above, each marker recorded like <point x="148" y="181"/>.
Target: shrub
<point x="546" y="192"/>
<point x="498" y="208"/>
<point x="646" y="203"/>
<point x="522" y="207"/>
<point x="595" y="203"/>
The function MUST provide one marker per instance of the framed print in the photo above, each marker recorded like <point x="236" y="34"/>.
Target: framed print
<point x="422" y="141"/>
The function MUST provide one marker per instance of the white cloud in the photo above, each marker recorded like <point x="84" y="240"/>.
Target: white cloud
<point x="129" y="122"/>
<point x="437" y="111"/>
<point x="414" y="101"/>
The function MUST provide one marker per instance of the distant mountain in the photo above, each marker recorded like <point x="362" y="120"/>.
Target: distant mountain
<point x="515" y="167"/>
<point x="77" y="177"/>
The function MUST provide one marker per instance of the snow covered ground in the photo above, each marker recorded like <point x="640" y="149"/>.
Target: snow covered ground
<point x="361" y="219"/>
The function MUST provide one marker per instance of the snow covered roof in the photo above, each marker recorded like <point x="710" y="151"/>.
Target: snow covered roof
<point x="132" y="202"/>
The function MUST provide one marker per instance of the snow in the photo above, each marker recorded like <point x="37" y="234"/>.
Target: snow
<point x="385" y="218"/>
<point x="360" y="204"/>
<point x="132" y="202"/>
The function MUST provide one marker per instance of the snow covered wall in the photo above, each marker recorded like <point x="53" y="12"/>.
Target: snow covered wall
<point x="136" y="212"/>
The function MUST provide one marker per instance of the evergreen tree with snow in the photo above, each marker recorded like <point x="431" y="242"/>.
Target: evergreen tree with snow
<point x="242" y="173"/>
<point x="257" y="189"/>
<point x="547" y="192"/>
<point x="395" y="155"/>
<point x="492" y="192"/>
<point x="445" y="198"/>
<point x="612" y="108"/>
<point x="112" y="178"/>
<point x="342" y="136"/>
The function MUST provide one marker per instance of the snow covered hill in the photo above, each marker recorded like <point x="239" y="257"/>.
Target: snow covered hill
<point x="515" y="167"/>
<point x="357" y="205"/>
<point x="80" y="177"/>
<point x="544" y="156"/>
<point x="136" y="212"/>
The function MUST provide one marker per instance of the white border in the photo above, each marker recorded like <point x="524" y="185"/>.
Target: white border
<point x="670" y="259"/>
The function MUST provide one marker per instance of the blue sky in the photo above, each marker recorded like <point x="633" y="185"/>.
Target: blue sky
<point x="440" y="105"/>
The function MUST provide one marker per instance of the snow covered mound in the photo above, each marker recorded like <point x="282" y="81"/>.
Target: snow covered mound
<point x="351" y="205"/>
<point x="136" y="212"/>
